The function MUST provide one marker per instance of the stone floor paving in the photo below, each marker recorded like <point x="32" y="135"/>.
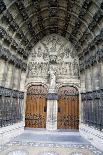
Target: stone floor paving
<point x="45" y="143"/>
<point x="54" y="137"/>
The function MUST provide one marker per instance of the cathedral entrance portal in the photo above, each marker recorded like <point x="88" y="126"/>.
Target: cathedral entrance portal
<point x="36" y="106"/>
<point x="68" y="108"/>
<point x="54" y="62"/>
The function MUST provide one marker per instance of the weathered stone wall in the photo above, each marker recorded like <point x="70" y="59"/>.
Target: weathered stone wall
<point x="91" y="126"/>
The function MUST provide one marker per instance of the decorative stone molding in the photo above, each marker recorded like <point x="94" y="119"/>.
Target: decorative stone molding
<point x="96" y="18"/>
<point x="48" y="153"/>
<point x="90" y="60"/>
<point x="18" y="152"/>
<point x="8" y="17"/>
<point x="52" y="96"/>
<point x="92" y="108"/>
<point x="11" y="102"/>
<point x="23" y="12"/>
<point x="2" y="6"/>
<point x="93" y="135"/>
<point x="54" y="8"/>
<point x="22" y="9"/>
<point x="85" y="6"/>
<point x="97" y="94"/>
<point x="6" y="55"/>
<point x="9" y="92"/>
<point x="9" y="132"/>
<point x="14" y="44"/>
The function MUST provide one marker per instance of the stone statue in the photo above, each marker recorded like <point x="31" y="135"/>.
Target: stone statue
<point x="52" y="79"/>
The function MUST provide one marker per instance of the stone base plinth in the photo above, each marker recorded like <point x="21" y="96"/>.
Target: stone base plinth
<point x="9" y="132"/>
<point x="51" y="123"/>
<point x="92" y="135"/>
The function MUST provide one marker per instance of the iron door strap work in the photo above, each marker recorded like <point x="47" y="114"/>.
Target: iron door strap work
<point x="35" y="105"/>
<point x="68" y="108"/>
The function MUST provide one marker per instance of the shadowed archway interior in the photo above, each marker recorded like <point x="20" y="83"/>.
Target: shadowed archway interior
<point x="40" y="36"/>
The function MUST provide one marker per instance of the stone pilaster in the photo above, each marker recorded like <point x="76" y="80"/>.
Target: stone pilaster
<point x="2" y="67"/>
<point x="52" y="106"/>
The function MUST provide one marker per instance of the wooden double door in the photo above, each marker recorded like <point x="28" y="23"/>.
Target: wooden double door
<point x="36" y="107"/>
<point x="68" y="108"/>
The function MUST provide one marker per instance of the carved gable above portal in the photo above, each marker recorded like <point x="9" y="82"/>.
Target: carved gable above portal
<point x="55" y="53"/>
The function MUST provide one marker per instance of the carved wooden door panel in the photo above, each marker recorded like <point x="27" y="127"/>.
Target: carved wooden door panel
<point x="36" y="105"/>
<point x="68" y="108"/>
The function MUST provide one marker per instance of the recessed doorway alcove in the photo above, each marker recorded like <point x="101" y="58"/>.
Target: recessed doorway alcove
<point x="51" y="72"/>
<point x="53" y="62"/>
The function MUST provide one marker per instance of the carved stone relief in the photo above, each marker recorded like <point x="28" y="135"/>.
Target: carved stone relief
<point x="54" y="53"/>
<point x="37" y="69"/>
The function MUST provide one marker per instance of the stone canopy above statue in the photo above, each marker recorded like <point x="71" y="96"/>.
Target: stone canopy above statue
<point x="54" y="52"/>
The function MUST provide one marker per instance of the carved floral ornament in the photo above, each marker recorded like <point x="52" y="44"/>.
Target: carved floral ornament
<point x="68" y="90"/>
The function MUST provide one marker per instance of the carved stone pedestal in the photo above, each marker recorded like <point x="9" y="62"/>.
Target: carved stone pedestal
<point x="52" y="106"/>
<point x="51" y="123"/>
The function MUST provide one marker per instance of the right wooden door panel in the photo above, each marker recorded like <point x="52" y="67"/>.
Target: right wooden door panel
<point x="68" y="110"/>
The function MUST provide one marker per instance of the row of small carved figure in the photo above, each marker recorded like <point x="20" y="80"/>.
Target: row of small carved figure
<point x="91" y="60"/>
<point x="12" y="42"/>
<point x="95" y="20"/>
<point x="9" y="92"/>
<point x="2" y="6"/>
<point x="93" y="114"/>
<point x="8" y="17"/>
<point x="6" y="55"/>
<point x="92" y="95"/>
<point x="10" y="118"/>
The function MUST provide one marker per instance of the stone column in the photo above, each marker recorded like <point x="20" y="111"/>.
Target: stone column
<point x="52" y="106"/>
<point x="51" y="123"/>
<point x="9" y="76"/>
<point x="2" y="68"/>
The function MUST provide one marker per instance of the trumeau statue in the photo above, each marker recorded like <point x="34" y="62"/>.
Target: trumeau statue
<point x="52" y="80"/>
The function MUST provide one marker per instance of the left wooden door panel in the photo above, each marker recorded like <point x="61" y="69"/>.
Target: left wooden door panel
<point x="36" y="104"/>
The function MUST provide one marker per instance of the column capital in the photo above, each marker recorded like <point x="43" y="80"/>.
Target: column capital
<point x="52" y="96"/>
